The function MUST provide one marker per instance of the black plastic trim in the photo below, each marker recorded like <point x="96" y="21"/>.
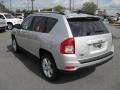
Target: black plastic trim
<point x="97" y="58"/>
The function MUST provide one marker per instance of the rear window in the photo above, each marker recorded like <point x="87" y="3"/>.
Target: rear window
<point x="87" y="26"/>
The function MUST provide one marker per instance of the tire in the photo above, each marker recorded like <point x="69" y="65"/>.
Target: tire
<point x="15" y="45"/>
<point x="48" y="66"/>
<point x="10" y="26"/>
<point x="2" y="29"/>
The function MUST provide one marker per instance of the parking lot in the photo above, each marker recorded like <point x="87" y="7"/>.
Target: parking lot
<point x="22" y="71"/>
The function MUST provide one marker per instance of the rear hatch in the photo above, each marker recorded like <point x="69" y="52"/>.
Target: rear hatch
<point x="91" y="37"/>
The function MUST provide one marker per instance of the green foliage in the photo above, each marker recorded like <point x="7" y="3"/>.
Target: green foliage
<point x="118" y="14"/>
<point x="25" y="11"/>
<point x="89" y="7"/>
<point x="59" y="8"/>
<point x="18" y="11"/>
<point x="46" y="9"/>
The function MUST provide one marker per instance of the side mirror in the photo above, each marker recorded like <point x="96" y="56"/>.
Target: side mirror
<point x="18" y="26"/>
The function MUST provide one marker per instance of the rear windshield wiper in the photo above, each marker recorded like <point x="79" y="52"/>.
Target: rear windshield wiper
<point x="98" y="31"/>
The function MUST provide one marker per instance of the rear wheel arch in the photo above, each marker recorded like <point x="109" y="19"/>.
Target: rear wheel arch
<point x="43" y="51"/>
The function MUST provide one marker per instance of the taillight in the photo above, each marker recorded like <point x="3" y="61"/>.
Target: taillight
<point x="68" y="46"/>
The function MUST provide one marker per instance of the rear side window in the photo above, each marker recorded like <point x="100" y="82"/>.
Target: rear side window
<point x="43" y="24"/>
<point x="50" y="24"/>
<point x="38" y="24"/>
<point x="87" y="26"/>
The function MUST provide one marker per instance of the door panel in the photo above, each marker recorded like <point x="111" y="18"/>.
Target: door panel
<point x="37" y="27"/>
<point x="23" y="34"/>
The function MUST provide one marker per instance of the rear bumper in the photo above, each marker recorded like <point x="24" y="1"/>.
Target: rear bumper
<point x="96" y="58"/>
<point x="72" y="61"/>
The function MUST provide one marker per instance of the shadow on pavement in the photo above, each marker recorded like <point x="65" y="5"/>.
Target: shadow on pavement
<point x="33" y="65"/>
<point x="65" y="77"/>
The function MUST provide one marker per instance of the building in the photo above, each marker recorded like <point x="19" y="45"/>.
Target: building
<point x="101" y="12"/>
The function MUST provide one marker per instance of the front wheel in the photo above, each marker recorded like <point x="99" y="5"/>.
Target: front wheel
<point x="49" y="69"/>
<point x="15" y="46"/>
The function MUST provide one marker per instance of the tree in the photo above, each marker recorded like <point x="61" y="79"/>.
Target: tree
<point x="89" y="7"/>
<point x="18" y="11"/>
<point x="46" y="9"/>
<point x="118" y="14"/>
<point x="59" y="8"/>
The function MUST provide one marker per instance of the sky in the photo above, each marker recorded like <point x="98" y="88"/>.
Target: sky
<point x="112" y="6"/>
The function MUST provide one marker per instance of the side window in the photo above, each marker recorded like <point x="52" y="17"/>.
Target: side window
<point x="2" y="17"/>
<point x="50" y="24"/>
<point x="38" y="24"/>
<point x="27" y="23"/>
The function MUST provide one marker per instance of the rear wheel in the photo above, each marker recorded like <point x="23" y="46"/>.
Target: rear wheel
<point x="49" y="69"/>
<point x="10" y="26"/>
<point x="2" y="29"/>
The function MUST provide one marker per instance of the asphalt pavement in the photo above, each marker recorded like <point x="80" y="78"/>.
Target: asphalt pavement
<point x="22" y="72"/>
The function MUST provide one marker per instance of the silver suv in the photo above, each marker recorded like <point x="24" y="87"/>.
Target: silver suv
<point x="64" y="41"/>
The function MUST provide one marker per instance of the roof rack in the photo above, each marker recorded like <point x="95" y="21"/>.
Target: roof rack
<point x="62" y="13"/>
